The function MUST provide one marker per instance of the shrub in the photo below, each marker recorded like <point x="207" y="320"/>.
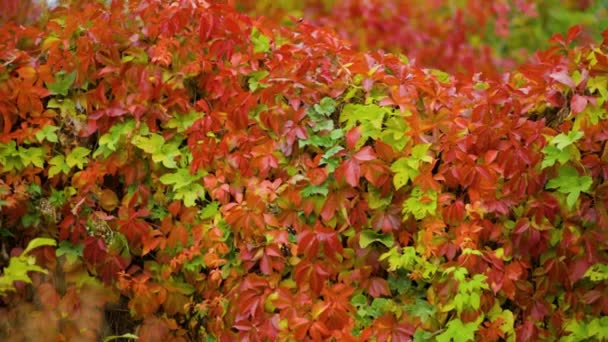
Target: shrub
<point x="233" y="179"/>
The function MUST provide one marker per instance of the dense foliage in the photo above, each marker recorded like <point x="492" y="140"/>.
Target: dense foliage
<point x="459" y="37"/>
<point x="194" y="173"/>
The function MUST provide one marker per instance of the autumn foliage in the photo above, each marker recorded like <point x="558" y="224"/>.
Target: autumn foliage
<point x="208" y="175"/>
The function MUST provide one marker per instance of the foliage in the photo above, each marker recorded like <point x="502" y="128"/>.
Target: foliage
<point x="461" y="37"/>
<point x="19" y="266"/>
<point x="234" y="179"/>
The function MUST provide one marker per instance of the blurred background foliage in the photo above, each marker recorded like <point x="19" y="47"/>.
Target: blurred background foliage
<point x="458" y="36"/>
<point x="462" y="37"/>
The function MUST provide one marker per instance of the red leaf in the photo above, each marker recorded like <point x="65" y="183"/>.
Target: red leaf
<point x="352" y="137"/>
<point x="95" y="250"/>
<point x="577" y="270"/>
<point x="573" y="32"/>
<point x="111" y="267"/>
<point x="378" y="287"/>
<point x="365" y="154"/>
<point x="352" y="172"/>
<point x="578" y="103"/>
<point x="563" y="77"/>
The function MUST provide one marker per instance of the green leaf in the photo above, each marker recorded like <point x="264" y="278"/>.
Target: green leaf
<point x="359" y="300"/>
<point x="125" y="336"/>
<point x="70" y="251"/>
<point x="481" y="86"/>
<point x="553" y="154"/>
<point x="326" y="107"/>
<point x="375" y="199"/>
<point x="181" y="122"/>
<point x="185" y="185"/>
<point x="421" y="309"/>
<point x="110" y="141"/>
<point x="422" y="335"/>
<point x="261" y="43"/>
<point x="562" y="140"/>
<point x="561" y="149"/>
<point x="394" y="134"/>
<point x="369" y="236"/>
<point x="58" y="166"/>
<point x="570" y="183"/>
<point x="39" y="242"/>
<point x="578" y="331"/>
<point x="190" y="194"/>
<point x="19" y="266"/>
<point x="406" y="168"/>
<point x="255" y="78"/>
<point x="150" y="145"/>
<point x="442" y="76"/>
<point x="77" y="157"/>
<point x="599" y="84"/>
<point x="312" y="190"/>
<point x="369" y="117"/>
<point x="328" y="159"/>
<point x="180" y="179"/>
<point x="420" y="204"/>
<point x="210" y="210"/>
<point x="67" y="107"/>
<point x="459" y="332"/>
<point x="406" y="260"/>
<point x="597" y="272"/>
<point x="47" y="133"/>
<point x="10" y="157"/>
<point x="32" y="156"/>
<point x="161" y="152"/>
<point x="62" y="83"/>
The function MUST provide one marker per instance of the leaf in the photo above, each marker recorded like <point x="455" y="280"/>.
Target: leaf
<point x="578" y="103"/>
<point x="110" y="141"/>
<point x="255" y="78"/>
<point x="32" y="156"/>
<point x="369" y="236"/>
<point x="58" y="166"/>
<point x="442" y="76"/>
<point x="394" y="134"/>
<point x="210" y="210"/>
<point x="47" y="133"/>
<point x="421" y="309"/>
<point x="77" y="157"/>
<point x="570" y="183"/>
<point x="406" y="168"/>
<point x="458" y="332"/>
<point x="554" y="154"/>
<point x="10" y="157"/>
<point x="19" y="266"/>
<point x="369" y="117"/>
<point x="62" y="83"/>
<point x="39" y="242"/>
<point x="181" y="122"/>
<point x="365" y="154"/>
<point x="108" y="200"/>
<point x="185" y="185"/>
<point x="375" y="199"/>
<point x="17" y="270"/>
<point x="421" y="204"/>
<point x="352" y="172"/>
<point x="312" y="190"/>
<point x="562" y="140"/>
<point x="125" y="336"/>
<point x="563" y="78"/>
<point x="161" y="152"/>
<point x="326" y="107"/>
<point x="261" y="43"/>
<point x="597" y="272"/>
